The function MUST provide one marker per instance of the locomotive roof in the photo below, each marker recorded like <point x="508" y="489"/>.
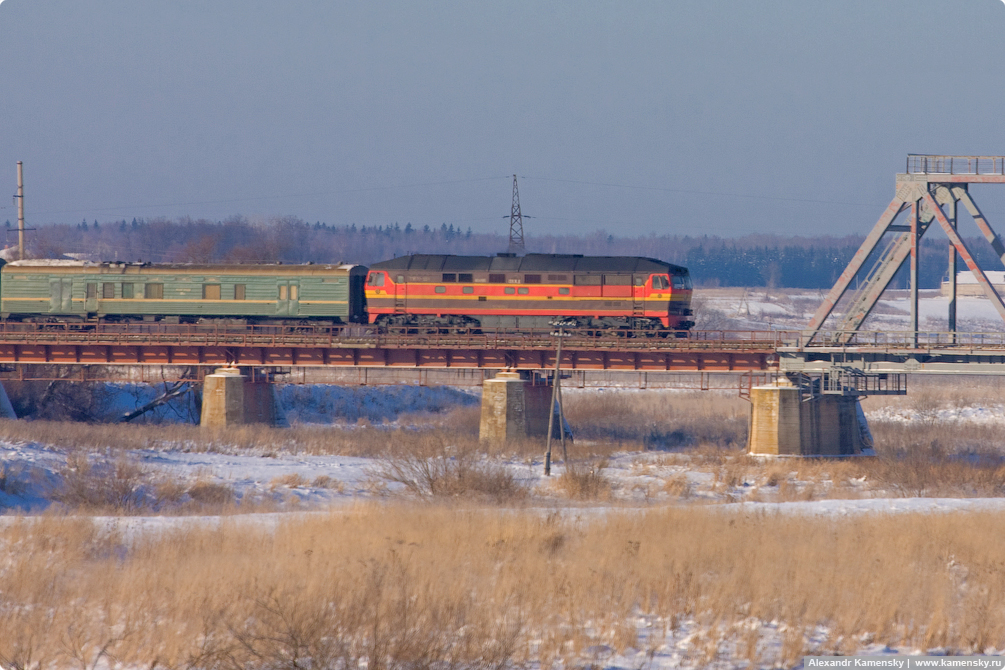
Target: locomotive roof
<point x="528" y="263"/>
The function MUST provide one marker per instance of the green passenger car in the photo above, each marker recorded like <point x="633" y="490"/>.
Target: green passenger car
<point x="61" y="290"/>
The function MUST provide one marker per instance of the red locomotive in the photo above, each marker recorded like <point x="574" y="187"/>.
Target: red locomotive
<point x="508" y="291"/>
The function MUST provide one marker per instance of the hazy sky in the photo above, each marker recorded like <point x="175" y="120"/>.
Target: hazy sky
<point x="787" y="116"/>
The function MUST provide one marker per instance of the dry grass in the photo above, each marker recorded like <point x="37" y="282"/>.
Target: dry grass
<point x="432" y="467"/>
<point x="584" y="481"/>
<point x="419" y="587"/>
<point x="97" y="484"/>
<point x="658" y="419"/>
<point x="260" y="439"/>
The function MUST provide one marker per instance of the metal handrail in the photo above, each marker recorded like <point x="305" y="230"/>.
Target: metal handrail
<point x="901" y="339"/>
<point x="937" y="164"/>
<point x="360" y="336"/>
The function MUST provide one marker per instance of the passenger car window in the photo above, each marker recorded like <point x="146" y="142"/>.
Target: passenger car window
<point x="239" y="291"/>
<point x="108" y="291"/>
<point x="153" y="291"/>
<point x="127" y="290"/>
<point x="210" y="291"/>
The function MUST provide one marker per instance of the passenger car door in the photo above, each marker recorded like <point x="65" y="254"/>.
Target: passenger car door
<point x="60" y="296"/>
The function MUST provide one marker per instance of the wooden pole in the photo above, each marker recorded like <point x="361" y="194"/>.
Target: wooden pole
<point x="551" y="408"/>
<point x="561" y="417"/>
<point x="20" y="212"/>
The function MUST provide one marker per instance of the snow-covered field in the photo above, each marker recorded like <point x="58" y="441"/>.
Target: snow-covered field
<point x="792" y="309"/>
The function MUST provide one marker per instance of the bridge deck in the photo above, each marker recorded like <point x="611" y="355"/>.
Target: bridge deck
<point x="360" y="346"/>
<point x="157" y="344"/>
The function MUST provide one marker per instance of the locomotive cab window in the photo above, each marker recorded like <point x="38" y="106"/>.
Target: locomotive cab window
<point x="240" y="289"/>
<point x="660" y="283"/>
<point x="210" y="291"/>
<point x="375" y="279"/>
<point x="681" y="282"/>
<point x="153" y="291"/>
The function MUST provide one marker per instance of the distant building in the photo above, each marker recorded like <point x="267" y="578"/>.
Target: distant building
<point x="966" y="283"/>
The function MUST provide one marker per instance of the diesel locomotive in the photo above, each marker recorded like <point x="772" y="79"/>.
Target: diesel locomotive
<point x="417" y="291"/>
<point x="514" y="292"/>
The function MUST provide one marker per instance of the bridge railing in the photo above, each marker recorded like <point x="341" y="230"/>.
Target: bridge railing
<point x="355" y="335"/>
<point x="933" y="164"/>
<point x="901" y="339"/>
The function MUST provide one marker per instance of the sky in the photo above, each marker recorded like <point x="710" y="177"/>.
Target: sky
<point x="667" y="117"/>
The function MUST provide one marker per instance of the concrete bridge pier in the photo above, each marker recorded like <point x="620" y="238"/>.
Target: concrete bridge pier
<point x="230" y="398"/>
<point x="784" y="423"/>
<point x="514" y="408"/>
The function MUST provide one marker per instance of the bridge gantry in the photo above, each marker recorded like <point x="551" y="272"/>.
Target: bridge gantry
<point x="930" y="190"/>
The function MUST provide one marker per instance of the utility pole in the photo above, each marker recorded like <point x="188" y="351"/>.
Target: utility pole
<point x="556" y="399"/>
<point x="551" y="409"/>
<point x="20" y="212"/>
<point x="515" y="223"/>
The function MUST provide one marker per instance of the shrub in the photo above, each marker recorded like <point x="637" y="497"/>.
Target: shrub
<point x="433" y="469"/>
<point x="585" y="481"/>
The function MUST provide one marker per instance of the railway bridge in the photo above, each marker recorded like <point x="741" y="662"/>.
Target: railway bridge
<point x="804" y="385"/>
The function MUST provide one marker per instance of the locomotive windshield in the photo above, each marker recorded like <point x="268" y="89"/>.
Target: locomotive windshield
<point x="375" y="279"/>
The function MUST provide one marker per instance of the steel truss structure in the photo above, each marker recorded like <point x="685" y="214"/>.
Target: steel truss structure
<point x="931" y="190"/>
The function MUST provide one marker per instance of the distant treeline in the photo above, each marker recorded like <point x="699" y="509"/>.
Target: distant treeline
<point x="754" y="260"/>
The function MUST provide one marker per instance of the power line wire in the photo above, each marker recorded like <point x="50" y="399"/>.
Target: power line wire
<point x="270" y="197"/>
<point x="701" y="192"/>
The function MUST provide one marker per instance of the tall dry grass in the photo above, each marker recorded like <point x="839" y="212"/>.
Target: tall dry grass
<point x="430" y="467"/>
<point x="356" y="440"/>
<point x="658" y="419"/>
<point x="391" y="587"/>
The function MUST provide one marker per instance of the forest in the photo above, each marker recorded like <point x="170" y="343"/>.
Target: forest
<point x="753" y="260"/>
